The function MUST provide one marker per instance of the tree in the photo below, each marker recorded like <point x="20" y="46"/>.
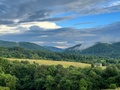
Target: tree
<point x="4" y="88"/>
<point x="49" y="82"/>
<point x="10" y="81"/>
<point x="7" y="80"/>
<point x="83" y="84"/>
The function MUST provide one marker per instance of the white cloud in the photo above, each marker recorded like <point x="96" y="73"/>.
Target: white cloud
<point x="64" y="42"/>
<point x="78" y="42"/>
<point x="43" y="36"/>
<point x="48" y="25"/>
<point x="39" y="42"/>
<point x="62" y="47"/>
<point x="4" y="29"/>
<point x="43" y="25"/>
<point x="115" y="3"/>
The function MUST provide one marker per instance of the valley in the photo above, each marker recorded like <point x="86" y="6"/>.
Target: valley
<point x="38" y="67"/>
<point x="59" y="44"/>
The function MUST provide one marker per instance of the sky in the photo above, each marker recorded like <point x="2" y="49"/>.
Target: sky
<point x="60" y="23"/>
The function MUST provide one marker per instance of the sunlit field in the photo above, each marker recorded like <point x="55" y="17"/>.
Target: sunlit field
<point x="51" y="62"/>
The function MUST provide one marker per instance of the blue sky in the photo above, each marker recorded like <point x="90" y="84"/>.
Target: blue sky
<point x="60" y="23"/>
<point x="91" y="21"/>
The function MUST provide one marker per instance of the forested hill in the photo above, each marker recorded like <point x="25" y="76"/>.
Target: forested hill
<point x="7" y="44"/>
<point x="32" y="46"/>
<point x="26" y="45"/>
<point x="99" y="49"/>
<point x="18" y="52"/>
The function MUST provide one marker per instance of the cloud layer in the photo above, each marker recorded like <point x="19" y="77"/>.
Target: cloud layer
<point x="65" y="37"/>
<point x="44" y="10"/>
<point x="36" y="21"/>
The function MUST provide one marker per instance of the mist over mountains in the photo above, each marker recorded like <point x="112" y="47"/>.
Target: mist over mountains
<point x="98" y="49"/>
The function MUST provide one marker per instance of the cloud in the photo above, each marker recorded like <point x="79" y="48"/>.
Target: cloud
<point x="62" y="47"/>
<point x="65" y="42"/>
<point x="82" y="23"/>
<point x="39" y="42"/>
<point x="44" y="36"/>
<point x="44" y="25"/>
<point x="36" y="21"/>
<point x="44" y="10"/>
<point x="66" y="37"/>
<point x="115" y="3"/>
<point x="7" y="29"/>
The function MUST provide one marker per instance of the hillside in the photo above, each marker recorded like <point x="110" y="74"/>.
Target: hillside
<point x="26" y="45"/>
<point x="99" y="49"/>
<point x="73" y="49"/>
<point x="7" y="44"/>
<point x="32" y="46"/>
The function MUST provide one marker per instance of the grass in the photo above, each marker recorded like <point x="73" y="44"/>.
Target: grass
<point x="111" y="89"/>
<point x="117" y="89"/>
<point x="51" y="62"/>
<point x="103" y="67"/>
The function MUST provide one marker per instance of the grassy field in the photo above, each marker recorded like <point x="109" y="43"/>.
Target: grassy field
<point x="51" y="62"/>
<point x="111" y="89"/>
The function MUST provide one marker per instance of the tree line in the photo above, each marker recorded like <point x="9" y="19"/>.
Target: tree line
<point x="18" y="52"/>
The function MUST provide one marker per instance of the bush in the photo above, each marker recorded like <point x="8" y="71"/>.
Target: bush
<point x="4" y="88"/>
<point x="112" y="86"/>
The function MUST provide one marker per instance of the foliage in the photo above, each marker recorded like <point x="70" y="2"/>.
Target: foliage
<point x="25" y="76"/>
<point x="18" y="52"/>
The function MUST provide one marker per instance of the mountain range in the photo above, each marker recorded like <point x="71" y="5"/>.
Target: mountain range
<point x="97" y="49"/>
<point x="29" y="45"/>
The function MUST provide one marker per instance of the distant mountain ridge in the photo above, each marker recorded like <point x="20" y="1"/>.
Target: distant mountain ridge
<point x="54" y="49"/>
<point x="26" y="45"/>
<point x="99" y="49"/>
<point x="7" y="44"/>
<point x="75" y="48"/>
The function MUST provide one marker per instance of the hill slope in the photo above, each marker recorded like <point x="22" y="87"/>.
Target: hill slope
<point x="7" y="44"/>
<point x="99" y="49"/>
<point x="26" y="45"/>
<point x="32" y="46"/>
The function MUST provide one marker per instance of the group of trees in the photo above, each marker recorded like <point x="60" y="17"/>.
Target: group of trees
<point x="25" y="76"/>
<point x="18" y="52"/>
